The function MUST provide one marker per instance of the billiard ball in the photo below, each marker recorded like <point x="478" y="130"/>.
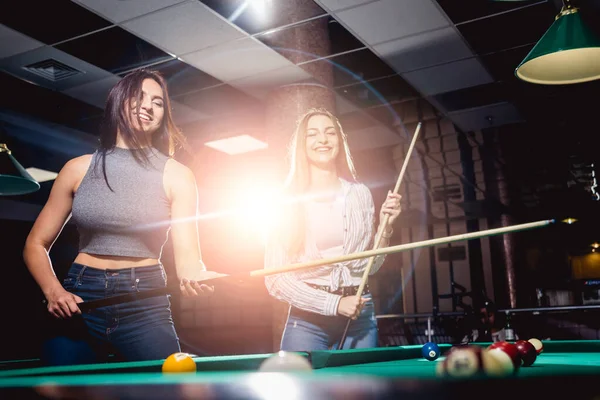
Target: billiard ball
<point x="539" y="347"/>
<point x="498" y="363"/>
<point x="178" y="363"/>
<point x="430" y="351"/>
<point x="527" y="352"/>
<point x="285" y="361"/>
<point x="510" y="350"/>
<point x="468" y="361"/>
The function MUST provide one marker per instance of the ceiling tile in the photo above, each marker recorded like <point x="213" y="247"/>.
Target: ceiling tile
<point x="52" y="68"/>
<point x="124" y="51"/>
<point x="424" y="50"/>
<point x="218" y="100"/>
<point x="358" y="120"/>
<point x="372" y="138"/>
<point x="50" y="105"/>
<point x="119" y="10"/>
<point x="385" y="20"/>
<point x="197" y="27"/>
<point x="67" y="19"/>
<point x="13" y="42"/>
<point x="88" y="124"/>
<point x="486" y="117"/>
<point x="502" y="64"/>
<point x="225" y="61"/>
<point x="381" y="91"/>
<point x="336" y="5"/>
<point x="261" y="84"/>
<point x="94" y="93"/>
<point x="183" y="114"/>
<point x="260" y="16"/>
<point x="403" y="113"/>
<point x="183" y="78"/>
<point x="343" y="105"/>
<point x="499" y="33"/>
<point x="321" y="37"/>
<point x="358" y="66"/>
<point x="448" y="77"/>
<point x="466" y="10"/>
<point x="475" y="96"/>
<point x="352" y="68"/>
<point x="341" y="39"/>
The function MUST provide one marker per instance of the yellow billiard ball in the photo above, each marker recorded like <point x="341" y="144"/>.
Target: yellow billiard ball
<point x="178" y="363"/>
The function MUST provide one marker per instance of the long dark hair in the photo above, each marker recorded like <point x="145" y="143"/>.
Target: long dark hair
<point x="167" y="137"/>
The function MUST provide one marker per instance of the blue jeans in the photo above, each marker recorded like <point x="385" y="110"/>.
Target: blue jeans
<point x="307" y="331"/>
<point x="132" y="331"/>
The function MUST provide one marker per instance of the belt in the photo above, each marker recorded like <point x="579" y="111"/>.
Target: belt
<point x="343" y="291"/>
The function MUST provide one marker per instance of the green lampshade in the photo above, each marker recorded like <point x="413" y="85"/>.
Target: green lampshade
<point x="568" y="53"/>
<point x="14" y="179"/>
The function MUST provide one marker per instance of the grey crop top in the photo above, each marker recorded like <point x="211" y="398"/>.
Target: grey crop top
<point x="132" y="220"/>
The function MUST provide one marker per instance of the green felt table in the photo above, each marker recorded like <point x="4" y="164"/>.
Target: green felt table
<point x="334" y="373"/>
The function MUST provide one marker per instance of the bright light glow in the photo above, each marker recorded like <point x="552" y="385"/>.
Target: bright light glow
<point x="256" y="212"/>
<point x="595" y="245"/>
<point x="259" y="8"/>
<point x="41" y="175"/>
<point x="274" y="386"/>
<point x="237" y="144"/>
<point x="260" y="211"/>
<point x="250" y="211"/>
<point x="569" y="220"/>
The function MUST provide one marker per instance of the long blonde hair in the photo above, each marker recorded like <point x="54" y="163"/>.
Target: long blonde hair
<point x="297" y="182"/>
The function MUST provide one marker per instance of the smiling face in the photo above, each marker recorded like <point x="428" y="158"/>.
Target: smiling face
<point x="149" y="117"/>
<point x="322" y="141"/>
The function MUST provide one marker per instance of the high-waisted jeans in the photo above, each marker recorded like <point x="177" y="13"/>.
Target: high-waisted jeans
<point x="307" y="331"/>
<point x="132" y="331"/>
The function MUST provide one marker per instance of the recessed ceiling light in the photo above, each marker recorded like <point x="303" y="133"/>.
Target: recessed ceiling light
<point x="237" y="144"/>
<point x="41" y="175"/>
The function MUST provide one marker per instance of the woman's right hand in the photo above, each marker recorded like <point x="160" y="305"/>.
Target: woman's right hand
<point x="63" y="304"/>
<point x="351" y="306"/>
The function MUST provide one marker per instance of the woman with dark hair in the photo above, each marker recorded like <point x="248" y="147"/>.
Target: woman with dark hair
<point x="328" y="213"/>
<point x="125" y="199"/>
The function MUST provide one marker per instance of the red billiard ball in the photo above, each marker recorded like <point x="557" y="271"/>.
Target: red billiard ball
<point x="539" y="347"/>
<point x="527" y="352"/>
<point x="469" y="361"/>
<point x="510" y="350"/>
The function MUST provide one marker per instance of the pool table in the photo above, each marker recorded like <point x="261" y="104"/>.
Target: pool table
<point x="566" y="369"/>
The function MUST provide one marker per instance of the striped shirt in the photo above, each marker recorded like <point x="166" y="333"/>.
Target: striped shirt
<point x="359" y="231"/>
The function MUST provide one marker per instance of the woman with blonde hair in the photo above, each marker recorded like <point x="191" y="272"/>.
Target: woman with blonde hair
<point x="330" y="213"/>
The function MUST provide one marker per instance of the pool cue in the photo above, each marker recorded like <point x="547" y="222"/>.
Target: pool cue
<point x="403" y="289"/>
<point x="382" y="226"/>
<point x="145" y="294"/>
<point x="241" y="278"/>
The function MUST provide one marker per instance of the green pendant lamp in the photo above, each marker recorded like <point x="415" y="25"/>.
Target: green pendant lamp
<point x="568" y="53"/>
<point x="14" y="179"/>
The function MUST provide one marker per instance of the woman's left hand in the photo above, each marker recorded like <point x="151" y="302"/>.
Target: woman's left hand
<point x="391" y="207"/>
